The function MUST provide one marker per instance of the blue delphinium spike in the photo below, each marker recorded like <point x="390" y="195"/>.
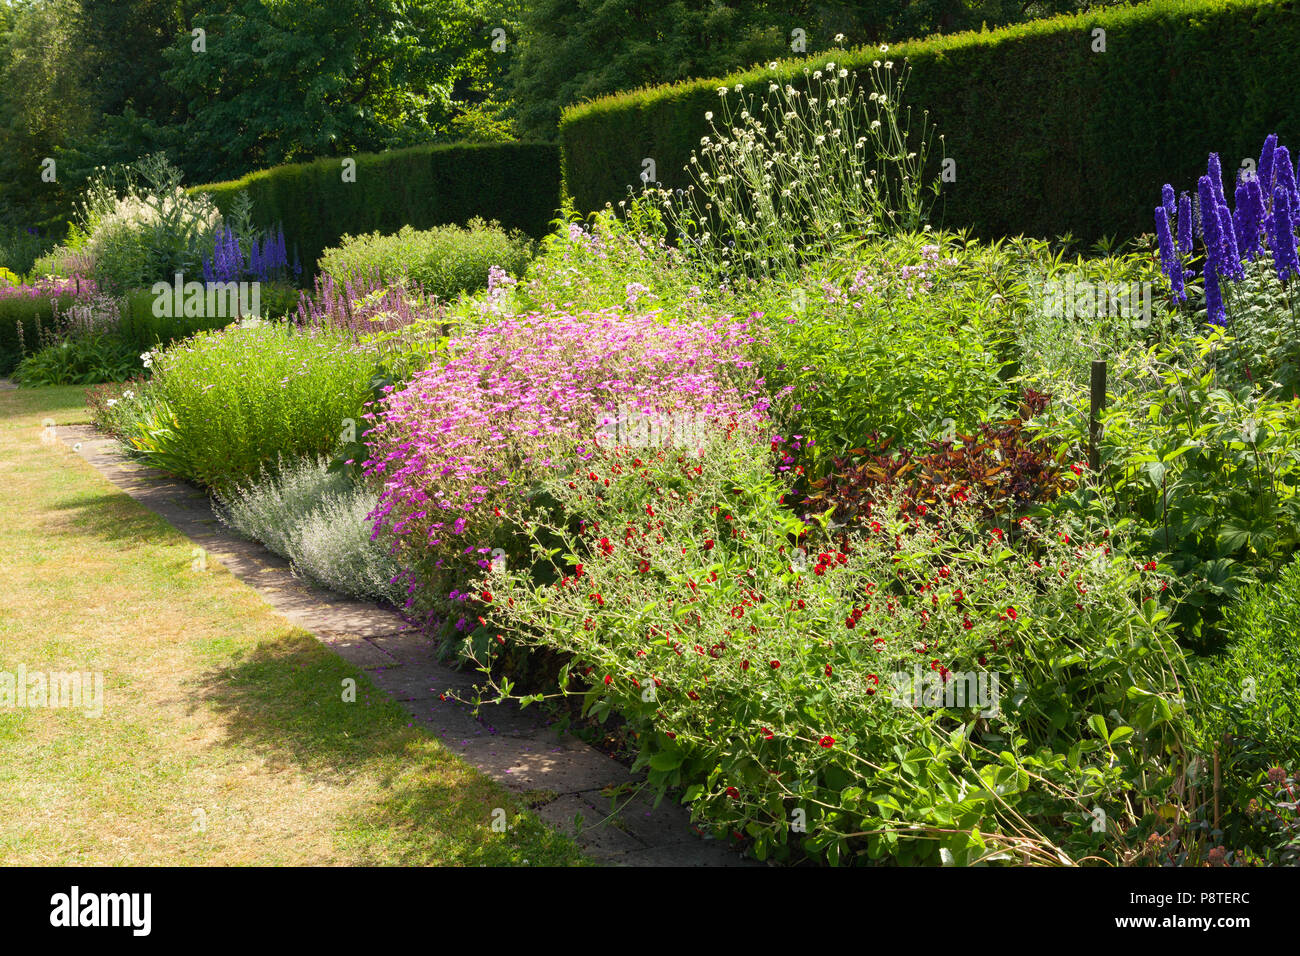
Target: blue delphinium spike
<point x="1246" y="218"/>
<point x="1185" y="225"/>
<point x="1265" y="171"/>
<point x="1170" y="264"/>
<point x="1282" y="238"/>
<point x="1228" y="235"/>
<point x="1216" y="178"/>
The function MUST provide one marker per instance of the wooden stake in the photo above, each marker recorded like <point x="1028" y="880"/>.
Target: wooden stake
<point x="1094" y="417"/>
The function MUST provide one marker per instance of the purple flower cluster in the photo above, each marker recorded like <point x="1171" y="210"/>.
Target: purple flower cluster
<point x="267" y="259"/>
<point x="1267" y="208"/>
<point x="49" y="288"/>
<point x="461" y="440"/>
<point x="363" y="305"/>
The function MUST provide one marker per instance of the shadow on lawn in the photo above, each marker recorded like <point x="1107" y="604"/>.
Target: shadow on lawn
<point x="111" y="516"/>
<point x="284" y="700"/>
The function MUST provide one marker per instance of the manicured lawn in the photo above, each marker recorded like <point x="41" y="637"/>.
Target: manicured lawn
<point x="223" y="739"/>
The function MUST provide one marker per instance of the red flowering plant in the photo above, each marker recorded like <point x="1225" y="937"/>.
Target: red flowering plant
<point x="920" y="692"/>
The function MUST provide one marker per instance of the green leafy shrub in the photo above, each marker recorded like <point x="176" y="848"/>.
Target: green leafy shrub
<point x="317" y="519"/>
<point x="80" y="360"/>
<point x="1210" y="472"/>
<point x="1248" y="690"/>
<point x="423" y="186"/>
<point x="443" y="261"/>
<point x="901" y="340"/>
<point x="779" y="687"/>
<point x="22" y="320"/>
<point x="223" y="405"/>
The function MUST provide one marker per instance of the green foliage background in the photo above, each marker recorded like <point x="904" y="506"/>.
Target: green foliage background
<point x="1047" y="136"/>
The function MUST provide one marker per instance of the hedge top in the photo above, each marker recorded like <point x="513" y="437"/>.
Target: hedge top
<point x="1033" y="94"/>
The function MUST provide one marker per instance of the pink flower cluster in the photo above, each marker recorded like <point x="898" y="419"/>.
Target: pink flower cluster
<point x="534" y="392"/>
<point x="43" y="288"/>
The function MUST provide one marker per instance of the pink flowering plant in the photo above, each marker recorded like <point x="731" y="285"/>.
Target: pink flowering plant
<point x="928" y="691"/>
<point x="463" y="442"/>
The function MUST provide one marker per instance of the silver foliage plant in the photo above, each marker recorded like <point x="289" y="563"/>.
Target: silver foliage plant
<point x="318" y="521"/>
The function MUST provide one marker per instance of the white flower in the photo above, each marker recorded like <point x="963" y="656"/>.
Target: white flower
<point x="111" y="402"/>
<point x="839" y="38"/>
<point x="722" y="91"/>
<point x="128" y="394"/>
<point x="147" y="359"/>
<point x="884" y="48"/>
<point x="739" y="86"/>
<point x="709" y="116"/>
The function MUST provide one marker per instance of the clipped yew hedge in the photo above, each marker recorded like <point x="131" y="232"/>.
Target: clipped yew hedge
<point x="1047" y="135"/>
<point x="422" y="186"/>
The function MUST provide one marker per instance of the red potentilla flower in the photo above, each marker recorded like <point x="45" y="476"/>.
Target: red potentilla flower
<point x="692" y="695"/>
<point x="983" y="660"/>
<point x="828" y="742"/>
<point x="850" y="622"/>
<point x="608" y="679"/>
<point x="828" y="670"/>
<point x="767" y="734"/>
<point x="737" y="611"/>
<point x="486" y="596"/>
<point x="875" y="681"/>
<point x="1076" y="469"/>
<point x="775" y="665"/>
<point x="945" y="571"/>
<point x="708" y="544"/>
<point x="733" y="793"/>
<point x="744" y="665"/>
<point x="577" y="571"/>
<point x="997" y="533"/>
<point x="605" y="546"/>
<point x="670" y="735"/>
<point x="967" y="623"/>
<point x="644" y="566"/>
<point x="597" y="598"/>
<point x="1011" y="613"/>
